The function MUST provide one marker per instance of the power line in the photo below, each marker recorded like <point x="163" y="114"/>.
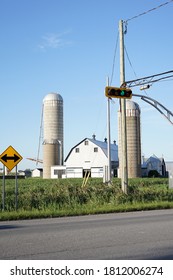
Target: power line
<point x="130" y="61"/>
<point x="151" y="10"/>
<point x="125" y="31"/>
<point x="132" y="67"/>
<point x="113" y="63"/>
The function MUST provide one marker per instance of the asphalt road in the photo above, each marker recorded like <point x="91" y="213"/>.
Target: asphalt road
<point x="135" y="235"/>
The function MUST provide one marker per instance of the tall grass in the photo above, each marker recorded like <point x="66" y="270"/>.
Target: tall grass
<point x="49" y="198"/>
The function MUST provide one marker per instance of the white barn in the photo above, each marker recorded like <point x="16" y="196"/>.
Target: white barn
<point x="89" y="157"/>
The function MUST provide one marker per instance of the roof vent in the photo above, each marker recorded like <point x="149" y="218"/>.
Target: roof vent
<point x="94" y="137"/>
<point x="105" y="140"/>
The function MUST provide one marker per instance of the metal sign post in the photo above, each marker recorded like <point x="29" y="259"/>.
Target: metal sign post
<point x="10" y="158"/>
<point x="3" y="189"/>
<point x="16" y="190"/>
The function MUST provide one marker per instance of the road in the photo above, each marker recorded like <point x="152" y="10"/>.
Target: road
<point x="135" y="235"/>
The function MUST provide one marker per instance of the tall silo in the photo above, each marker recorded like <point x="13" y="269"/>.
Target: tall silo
<point x="133" y="140"/>
<point x="53" y="139"/>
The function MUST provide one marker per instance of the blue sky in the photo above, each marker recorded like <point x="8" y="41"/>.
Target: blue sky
<point x="67" y="46"/>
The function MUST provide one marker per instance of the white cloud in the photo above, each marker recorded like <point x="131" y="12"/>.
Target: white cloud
<point x="53" y="41"/>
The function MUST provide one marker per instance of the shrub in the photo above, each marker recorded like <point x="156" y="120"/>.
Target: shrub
<point x="153" y="173"/>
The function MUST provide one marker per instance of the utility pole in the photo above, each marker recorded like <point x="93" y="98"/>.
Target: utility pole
<point x="109" y="137"/>
<point x="123" y="167"/>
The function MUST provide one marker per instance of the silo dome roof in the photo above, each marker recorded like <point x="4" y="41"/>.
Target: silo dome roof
<point x="131" y="105"/>
<point x="53" y="96"/>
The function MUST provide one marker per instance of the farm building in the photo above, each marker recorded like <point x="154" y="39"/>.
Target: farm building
<point x="153" y="165"/>
<point x="38" y="172"/>
<point x="89" y="158"/>
<point x="58" y="171"/>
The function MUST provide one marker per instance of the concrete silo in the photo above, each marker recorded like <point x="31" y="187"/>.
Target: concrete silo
<point x="53" y="139"/>
<point x="133" y="140"/>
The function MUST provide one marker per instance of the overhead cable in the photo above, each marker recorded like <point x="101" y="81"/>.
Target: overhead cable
<point x="113" y="63"/>
<point x="130" y="61"/>
<point x="151" y="10"/>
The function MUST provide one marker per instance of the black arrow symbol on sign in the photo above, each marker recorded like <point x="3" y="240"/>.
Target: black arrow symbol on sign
<point x="6" y="158"/>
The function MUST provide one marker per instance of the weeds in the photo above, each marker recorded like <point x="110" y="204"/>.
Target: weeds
<point x="50" y="198"/>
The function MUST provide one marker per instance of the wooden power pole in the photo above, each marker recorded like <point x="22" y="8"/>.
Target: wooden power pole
<point x="123" y="167"/>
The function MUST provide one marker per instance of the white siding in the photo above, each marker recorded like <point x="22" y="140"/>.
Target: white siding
<point x="86" y="157"/>
<point x="97" y="172"/>
<point x="74" y="172"/>
<point x="58" y="171"/>
<point x="37" y="173"/>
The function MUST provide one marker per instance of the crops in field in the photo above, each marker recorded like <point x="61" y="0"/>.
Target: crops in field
<point x="51" y="197"/>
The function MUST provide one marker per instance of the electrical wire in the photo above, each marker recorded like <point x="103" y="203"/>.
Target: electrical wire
<point x="151" y="10"/>
<point x="126" y="21"/>
<point x="132" y="66"/>
<point x="140" y="81"/>
<point x="40" y="136"/>
<point x="130" y="62"/>
<point x="113" y="64"/>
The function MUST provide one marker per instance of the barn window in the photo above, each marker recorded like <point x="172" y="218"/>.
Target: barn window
<point x="77" y="150"/>
<point x="95" y="150"/>
<point x="86" y="142"/>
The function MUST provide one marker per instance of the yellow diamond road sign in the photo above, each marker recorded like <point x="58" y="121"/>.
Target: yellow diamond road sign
<point x="10" y="157"/>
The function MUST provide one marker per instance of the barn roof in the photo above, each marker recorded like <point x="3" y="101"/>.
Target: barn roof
<point x="102" y="145"/>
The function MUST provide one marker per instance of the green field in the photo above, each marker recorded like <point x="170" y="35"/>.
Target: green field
<point x="38" y="198"/>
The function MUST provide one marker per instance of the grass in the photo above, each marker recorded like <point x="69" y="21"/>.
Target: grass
<point x="38" y="198"/>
